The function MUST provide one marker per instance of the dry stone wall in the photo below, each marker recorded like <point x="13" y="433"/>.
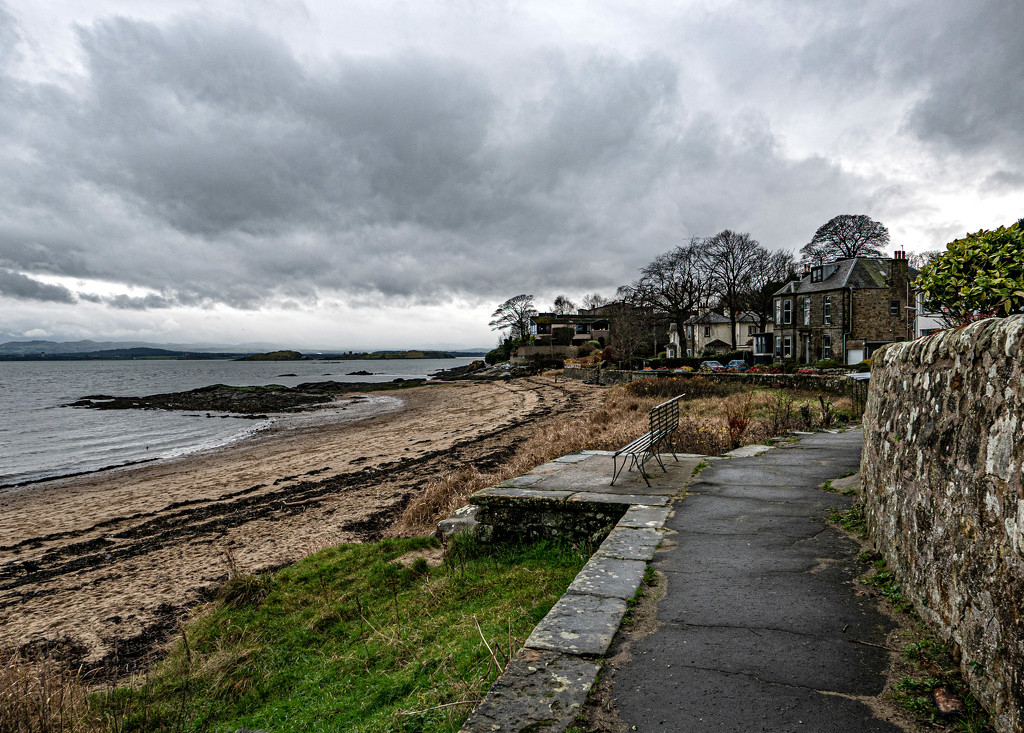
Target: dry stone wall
<point x="943" y="454"/>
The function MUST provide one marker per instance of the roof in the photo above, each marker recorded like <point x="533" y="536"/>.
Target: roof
<point x="711" y="318"/>
<point x="858" y="272"/>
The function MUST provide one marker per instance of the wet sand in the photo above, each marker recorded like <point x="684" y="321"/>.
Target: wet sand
<point x="100" y="568"/>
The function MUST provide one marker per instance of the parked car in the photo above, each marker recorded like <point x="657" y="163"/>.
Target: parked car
<point x="736" y="365"/>
<point x="713" y="366"/>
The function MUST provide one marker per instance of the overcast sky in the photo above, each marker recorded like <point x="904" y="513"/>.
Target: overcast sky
<point x="384" y="173"/>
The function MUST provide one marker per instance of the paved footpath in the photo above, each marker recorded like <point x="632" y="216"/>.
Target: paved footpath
<point x="760" y="628"/>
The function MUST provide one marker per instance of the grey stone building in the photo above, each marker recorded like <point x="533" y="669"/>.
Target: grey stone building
<point x="845" y="310"/>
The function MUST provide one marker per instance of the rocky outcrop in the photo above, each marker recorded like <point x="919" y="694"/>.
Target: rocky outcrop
<point x="943" y="497"/>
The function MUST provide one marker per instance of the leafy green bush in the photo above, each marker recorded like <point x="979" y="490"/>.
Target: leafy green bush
<point x="977" y="276"/>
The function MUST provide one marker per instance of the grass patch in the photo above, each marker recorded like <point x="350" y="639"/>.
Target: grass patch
<point x="347" y="639"/>
<point x="852" y="520"/>
<point x="929" y="664"/>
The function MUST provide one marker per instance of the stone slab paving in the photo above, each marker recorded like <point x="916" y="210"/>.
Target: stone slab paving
<point x="579" y="624"/>
<point x="630" y="543"/>
<point x="547" y="683"/>
<point x="609" y="577"/>
<point x="538" y="690"/>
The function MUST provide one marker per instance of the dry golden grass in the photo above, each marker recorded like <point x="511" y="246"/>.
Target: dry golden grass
<point x="41" y="696"/>
<point x="708" y="425"/>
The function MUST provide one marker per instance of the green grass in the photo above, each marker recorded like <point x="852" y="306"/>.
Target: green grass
<point x="349" y="639"/>
<point x="888" y="587"/>
<point x="852" y="520"/>
<point x="932" y="665"/>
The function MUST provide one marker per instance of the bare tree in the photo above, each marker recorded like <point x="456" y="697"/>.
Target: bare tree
<point x="563" y="306"/>
<point x="733" y="257"/>
<point x="677" y="283"/>
<point x="771" y="271"/>
<point x="514" y="314"/>
<point x="632" y="328"/>
<point x="846" y="236"/>
<point x="917" y="260"/>
<point x="594" y="300"/>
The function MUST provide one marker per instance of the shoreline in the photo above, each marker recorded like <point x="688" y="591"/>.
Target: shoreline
<point x="95" y="566"/>
<point x="275" y="422"/>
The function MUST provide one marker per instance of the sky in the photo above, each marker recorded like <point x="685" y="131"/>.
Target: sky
<point x="383" y="174"/>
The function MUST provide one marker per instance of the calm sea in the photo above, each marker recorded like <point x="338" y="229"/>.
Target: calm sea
<point x="40" y="439"/>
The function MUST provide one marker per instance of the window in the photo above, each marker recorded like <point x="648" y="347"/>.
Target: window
<point x="582" y="328"/>
<point x="807" y="311"/>
<point x="689" y="332"/>
<point x="778" y="310"/>
<point x="689" y="352"/>
<point x="787" y="311"/>
<point x="707" y="331"/>
<point x="826" y="310"/>
<point x="826" y="347"/>
<point x="751" y="330"/>
<point x="778" y="346"/>
<point x="894" y="307"/>
<point x="816" y="275"/>
<point x="787" y="348"/>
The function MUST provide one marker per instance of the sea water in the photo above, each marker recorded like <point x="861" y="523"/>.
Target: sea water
<point x="40" y="438"/>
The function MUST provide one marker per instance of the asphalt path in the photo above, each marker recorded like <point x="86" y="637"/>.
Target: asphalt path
<point x="761" y="628"/>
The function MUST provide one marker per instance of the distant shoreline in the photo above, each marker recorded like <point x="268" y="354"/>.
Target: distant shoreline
<point x="163" y="355"/>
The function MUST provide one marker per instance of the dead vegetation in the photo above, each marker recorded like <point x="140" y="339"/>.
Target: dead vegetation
<point x="714" y="418"/>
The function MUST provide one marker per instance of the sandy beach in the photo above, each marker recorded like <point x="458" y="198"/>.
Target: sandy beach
<point x="99" y="568"/>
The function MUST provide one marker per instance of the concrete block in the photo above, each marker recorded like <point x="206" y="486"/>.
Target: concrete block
<point x="640" y="515"/>
<point x="579" y="624"/>
<point x="609" y="577"/>
<point x="627" y="543"/>
<point x="595" y="498"/>
<point x="539" y="690"/>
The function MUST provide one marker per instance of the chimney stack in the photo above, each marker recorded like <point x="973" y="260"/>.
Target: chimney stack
<point x="807" y="270"/>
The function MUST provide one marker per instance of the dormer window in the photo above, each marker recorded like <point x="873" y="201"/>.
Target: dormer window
<point x="816" y="274"/>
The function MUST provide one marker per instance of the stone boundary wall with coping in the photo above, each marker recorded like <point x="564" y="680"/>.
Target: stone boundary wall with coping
<point x="942" y="495"/>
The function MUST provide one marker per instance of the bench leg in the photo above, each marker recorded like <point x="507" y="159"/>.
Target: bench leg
<point x="617" y="470"/>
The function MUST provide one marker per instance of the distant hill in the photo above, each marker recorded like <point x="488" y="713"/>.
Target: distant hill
<point x="48" y="348"/>
<point x="37" y="349"/>
<point x="113" y="354"/>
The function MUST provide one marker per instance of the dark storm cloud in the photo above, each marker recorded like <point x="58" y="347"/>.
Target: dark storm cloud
<point x="147" y="302"/>
<point x="16" y="285"/>
<point x="975" y="98"/>
<point x="962" y="62"/>
<point x="208" y="162"/>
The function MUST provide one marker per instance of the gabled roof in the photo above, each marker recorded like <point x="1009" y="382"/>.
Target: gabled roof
<point x="717" y="344"/>
<point x="711" y="318"/>
<point x="858" y="272"/>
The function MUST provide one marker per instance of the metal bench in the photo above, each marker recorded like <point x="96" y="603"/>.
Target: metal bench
<point x="664" y="421"/>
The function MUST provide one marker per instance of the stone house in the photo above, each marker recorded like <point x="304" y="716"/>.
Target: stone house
<point x="845" y="310"/>
<point x="569" y="330"/>
<point x="709" y="333"/>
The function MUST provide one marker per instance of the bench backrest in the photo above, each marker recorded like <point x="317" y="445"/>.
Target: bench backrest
<point x="665" y="417"/>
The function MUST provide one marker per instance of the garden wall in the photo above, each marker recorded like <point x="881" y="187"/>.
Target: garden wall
<point x="943" y="497"/>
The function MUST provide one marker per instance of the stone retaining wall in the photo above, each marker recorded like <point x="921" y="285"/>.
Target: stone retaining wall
<point x="942" y="493"/>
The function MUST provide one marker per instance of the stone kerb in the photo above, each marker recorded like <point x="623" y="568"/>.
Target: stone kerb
<point x="943" y="498"/>
<point x="547" y="682"/>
